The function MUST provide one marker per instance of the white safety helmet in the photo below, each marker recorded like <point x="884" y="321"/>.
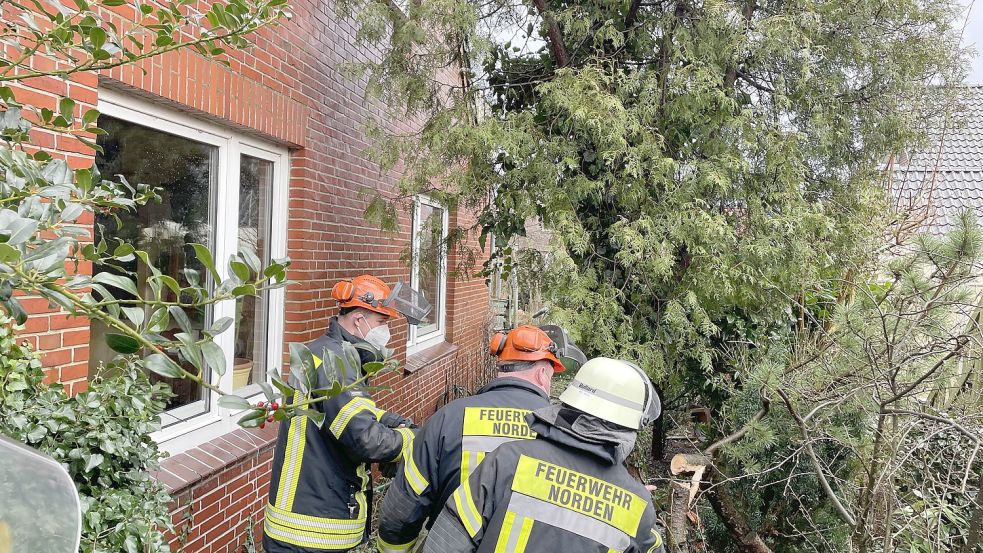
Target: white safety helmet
<point x="613" y="390"/>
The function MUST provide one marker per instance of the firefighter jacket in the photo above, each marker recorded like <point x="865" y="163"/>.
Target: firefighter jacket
<point x="561" y="492"/>
<point x="450" y="446"/>
<point x="318" y="490"/>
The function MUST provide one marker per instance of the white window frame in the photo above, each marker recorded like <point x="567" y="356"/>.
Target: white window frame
<point x="415" y="343"/>
<point x="214" y="420"/>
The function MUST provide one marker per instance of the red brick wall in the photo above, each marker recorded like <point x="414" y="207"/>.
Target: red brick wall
<point x="288" y="89"/>
<point x="219" y="489"/>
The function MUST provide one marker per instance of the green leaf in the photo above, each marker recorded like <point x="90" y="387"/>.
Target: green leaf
<point x="285" y="389"/>
<point x="163" y="365"/>
<point x="268" y="391"/>
<point x="159" y="320"/>
<point x="93" y="461"/>
<point x="114" y="3"/>
<point x="135" y="315"/>
<point x="214" y="357"/>
<point x="240" y="270"/>
<point x="302" y="366"/>
<point x="181" y="318"/>
<point x="97" y="37"/>
<point x="373" y="367"/>
<point x="116" y="281"/>
<point x="249" y="256"/>
<point x="122" y="343"/>
<point x="220" y="326"/>
<point x="253" y="419"/>
<point x="233" y="402"/>
<point x="205" y="257"/>
<point x="244" y="290"/>
<point x="8" y="254"/>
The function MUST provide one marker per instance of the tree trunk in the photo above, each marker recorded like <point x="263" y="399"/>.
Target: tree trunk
<point x="737" y="526"/>
<point x="677" y="521"/>
<point x="974" y="538"/>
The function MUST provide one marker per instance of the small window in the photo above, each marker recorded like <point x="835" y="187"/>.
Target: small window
<point x="429" y="270"/>
<point x="218" y="188"/>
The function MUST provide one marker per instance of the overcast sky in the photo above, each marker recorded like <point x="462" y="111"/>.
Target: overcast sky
<point x="973" y="37"/>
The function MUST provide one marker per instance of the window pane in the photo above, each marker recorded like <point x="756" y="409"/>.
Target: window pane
<point x="184" y="171"/>
<point x="252" y="313"/>
<point x="430" y="265"/>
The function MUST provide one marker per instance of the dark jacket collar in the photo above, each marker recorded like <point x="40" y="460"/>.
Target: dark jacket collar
<point x="336" y="332"/>
<point x="513" y="382"/>
<point x="610" y="447"/>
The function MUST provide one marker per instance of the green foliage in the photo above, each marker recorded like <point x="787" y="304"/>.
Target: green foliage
<point x="102" y="436"/>
<point x="710" y="175"/>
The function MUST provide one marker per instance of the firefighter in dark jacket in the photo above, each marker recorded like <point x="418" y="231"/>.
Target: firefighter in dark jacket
<point x="567" y="490"/>
<point x="318" y="490"/>
<point x="457" y="437"/>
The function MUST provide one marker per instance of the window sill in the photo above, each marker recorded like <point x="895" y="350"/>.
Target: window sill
<point x="197" y="464"/>
<point x="432" y="354"/>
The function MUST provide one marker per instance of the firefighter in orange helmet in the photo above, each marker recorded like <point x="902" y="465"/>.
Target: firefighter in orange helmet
<point x="320" y="494"/>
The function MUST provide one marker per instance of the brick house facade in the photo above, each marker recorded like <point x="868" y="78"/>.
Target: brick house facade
<point x="283" y="116"/>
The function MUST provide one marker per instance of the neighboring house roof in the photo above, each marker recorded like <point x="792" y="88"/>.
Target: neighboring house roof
<point x="946" y="178"/>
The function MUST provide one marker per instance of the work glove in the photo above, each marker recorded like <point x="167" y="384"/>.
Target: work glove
<point x="392" y="420"/>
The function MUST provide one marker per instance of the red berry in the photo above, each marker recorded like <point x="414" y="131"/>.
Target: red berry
<point x="269" y="418"/>
<point x="274" y="406"/>
<point x="261" y="404"/>
<point x="262" y="425"/>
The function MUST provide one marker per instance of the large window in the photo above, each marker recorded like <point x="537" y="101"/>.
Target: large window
<point x="429" y="270"/>
<point x="217" y="188"/>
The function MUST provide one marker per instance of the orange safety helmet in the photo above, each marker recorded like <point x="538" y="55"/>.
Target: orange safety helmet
<point x="365" y="291"/>
<point x="525" y="343"/>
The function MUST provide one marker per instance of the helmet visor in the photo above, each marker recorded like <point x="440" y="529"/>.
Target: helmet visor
<point x="568" y="352"/>
<point x="409" y="303"/>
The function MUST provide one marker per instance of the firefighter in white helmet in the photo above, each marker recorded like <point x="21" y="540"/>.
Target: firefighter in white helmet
<point x="567" y="490"/>
<point x="457" y="437"/>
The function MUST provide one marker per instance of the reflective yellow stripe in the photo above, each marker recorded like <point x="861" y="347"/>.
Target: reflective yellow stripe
<point x="360" y="494"/>
<point x="466" y="510"/>
<point x="514" y="536"/>
<point x="503" y="537"/>
<point x="658" y="542"/>
<point x="524" y="533"/>
<point x="412" y="472"/>
<point x="317" y="540"/>
<point x="385" y="547"/>
<point x="353" y="407"/>
<point x="292" y="460"/>
<point x="315" y="524"/>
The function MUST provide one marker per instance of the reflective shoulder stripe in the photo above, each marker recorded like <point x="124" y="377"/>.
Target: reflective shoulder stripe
<point x="313" y="532"/>
<point x="467" y="511"/>
<point x="514" y="536"/>
<point x="354" y="406"/>
<point x="385" y="547"/>
<point x="411" y="472"/>
<point x="293" y="457"/>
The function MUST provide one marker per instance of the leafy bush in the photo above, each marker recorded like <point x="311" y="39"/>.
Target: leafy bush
<point x="102" y="436"/>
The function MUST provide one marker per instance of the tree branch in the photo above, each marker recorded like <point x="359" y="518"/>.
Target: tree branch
<point x="632" y="14"/>
<point x="960" y="344"/>
<point x="556" y="39"/>
<point x="820" y="474"/>
<point x="765" y="404"/>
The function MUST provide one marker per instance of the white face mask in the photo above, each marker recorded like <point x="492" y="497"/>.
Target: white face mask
<point x="378" y="337"/>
